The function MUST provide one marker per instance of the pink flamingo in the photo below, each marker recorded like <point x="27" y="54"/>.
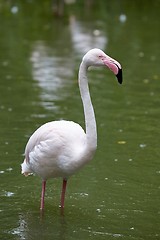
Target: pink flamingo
<point x="61" y="148"/>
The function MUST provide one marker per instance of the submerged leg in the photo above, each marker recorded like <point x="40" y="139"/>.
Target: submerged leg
<point x="43" y="194"/>
<point x="64" y="185"/>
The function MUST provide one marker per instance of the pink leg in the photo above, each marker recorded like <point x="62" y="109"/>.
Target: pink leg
<point x="43" y="194"/>
<point x="64" y="185"/>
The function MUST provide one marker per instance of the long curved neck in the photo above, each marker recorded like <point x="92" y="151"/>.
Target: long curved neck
<point x="90" y="121"/>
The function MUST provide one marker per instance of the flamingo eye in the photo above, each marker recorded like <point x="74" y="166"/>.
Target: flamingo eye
<point x="101" y="57"/>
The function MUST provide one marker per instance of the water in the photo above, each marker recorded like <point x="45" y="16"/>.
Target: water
<point x="117" y="194"/>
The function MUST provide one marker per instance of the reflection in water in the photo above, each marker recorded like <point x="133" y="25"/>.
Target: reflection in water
<point x="20" y="231"/>
<point x="50" y="71"/>
<point x="31" y="226"/>
<point x="83" y="39"/>
<point x="56" y="226"/>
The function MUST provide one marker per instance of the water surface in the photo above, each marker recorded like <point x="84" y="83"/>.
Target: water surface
<point x="117" y="194"/>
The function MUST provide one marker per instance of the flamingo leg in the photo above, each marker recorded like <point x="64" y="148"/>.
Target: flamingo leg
<point x="43" y="194"/>
<point x="64" y="185"/>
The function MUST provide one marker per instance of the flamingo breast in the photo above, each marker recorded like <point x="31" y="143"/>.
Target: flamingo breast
<point x="56" y="149"/>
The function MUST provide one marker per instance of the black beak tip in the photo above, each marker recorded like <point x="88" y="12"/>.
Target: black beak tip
<point x="119" y="76"/>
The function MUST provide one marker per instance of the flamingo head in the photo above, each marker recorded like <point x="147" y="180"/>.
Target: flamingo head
<point x="96" y="57"/>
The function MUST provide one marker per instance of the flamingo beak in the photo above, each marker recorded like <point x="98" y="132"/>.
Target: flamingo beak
<point x="114" y="66"/>
<point x="119" y="75"/>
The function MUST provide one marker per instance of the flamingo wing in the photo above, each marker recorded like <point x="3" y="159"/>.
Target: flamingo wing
<point x="54" y="149"/>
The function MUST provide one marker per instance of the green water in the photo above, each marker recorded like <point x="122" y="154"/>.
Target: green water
<point x="117" y="195"/>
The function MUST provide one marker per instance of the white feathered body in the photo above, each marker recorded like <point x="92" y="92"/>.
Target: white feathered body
<point x="56" y="149"/>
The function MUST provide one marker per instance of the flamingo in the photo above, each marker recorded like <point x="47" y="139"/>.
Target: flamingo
<point x="61" y="148"/>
